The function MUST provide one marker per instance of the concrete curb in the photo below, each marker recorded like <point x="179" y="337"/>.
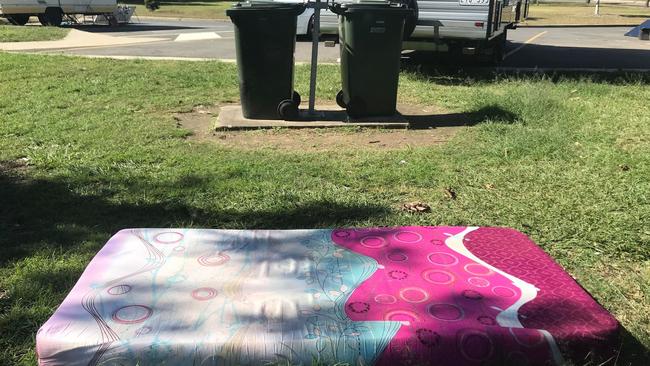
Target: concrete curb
<point x="528" y="70"/>
<point x="59" y="52"/>
<point x="576" y="25"/>
<point x="145" y="17"/>
<point x="127" y="58"/>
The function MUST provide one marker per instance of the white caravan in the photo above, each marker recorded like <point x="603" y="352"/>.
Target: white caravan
<point x="475" y="27"/>
<point x="51" y="12"/>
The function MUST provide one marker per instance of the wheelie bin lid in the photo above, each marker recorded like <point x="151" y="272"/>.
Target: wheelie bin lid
<point x="366" y="5"/>
<point x="264" y="6"/>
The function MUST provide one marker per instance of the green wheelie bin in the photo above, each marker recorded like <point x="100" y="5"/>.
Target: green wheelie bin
<point x="370" y="35"/>
<point x="265" y="38"/>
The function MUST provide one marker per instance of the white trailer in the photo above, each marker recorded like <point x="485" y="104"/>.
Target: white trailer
<point x="51" y="12"/>
<point x="471" y="27"/>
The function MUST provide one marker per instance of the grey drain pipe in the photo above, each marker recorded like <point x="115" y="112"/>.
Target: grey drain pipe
<point x="315" y="36"/>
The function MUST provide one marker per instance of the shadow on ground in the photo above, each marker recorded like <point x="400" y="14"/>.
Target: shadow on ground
<point x="133" y="27"/>
<point x="47" y="214"/>
<point x="606" y="65"/>
<point x="44" y="215"/>
<point x="416" y="121"/>
<point x="489" y="113"/>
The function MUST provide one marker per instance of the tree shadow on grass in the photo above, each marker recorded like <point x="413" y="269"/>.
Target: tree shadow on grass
<point x="631" y="350"/>
<point x="42" y="215"/>
<point x="38" y="215"/>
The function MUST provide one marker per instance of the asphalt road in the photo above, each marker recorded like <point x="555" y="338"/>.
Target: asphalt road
<point x="528" y="47"/>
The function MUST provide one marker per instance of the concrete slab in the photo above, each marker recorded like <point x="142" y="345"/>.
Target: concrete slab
<point x="326" y="116"/>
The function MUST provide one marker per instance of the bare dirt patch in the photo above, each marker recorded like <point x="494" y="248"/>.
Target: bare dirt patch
<point x="14" y="171"/>
<point x="14" y="167"/>
<point x="431" y="127"/>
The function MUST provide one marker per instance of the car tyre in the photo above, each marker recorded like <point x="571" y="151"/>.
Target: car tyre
<point x="412" y="19"/>
<point x="310" y="28"/>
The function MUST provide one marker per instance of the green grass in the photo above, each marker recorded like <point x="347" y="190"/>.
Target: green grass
<point x="89" y="147"/>
<point x="210" y="9"/>
<point x="12" y="33"/>
<point x="563" y="13"/>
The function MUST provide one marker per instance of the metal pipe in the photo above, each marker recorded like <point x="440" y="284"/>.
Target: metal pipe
<point x="315" y="35"/>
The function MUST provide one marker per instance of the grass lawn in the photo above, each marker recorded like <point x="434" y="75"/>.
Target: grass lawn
<point x="88" y="147"/>
<point x="211" y="9"/>
<point x="12" y="33"/>
<point x="544" y="14"/>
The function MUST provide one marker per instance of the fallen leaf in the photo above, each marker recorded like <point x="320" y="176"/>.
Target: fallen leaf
<point x="624" y="167"/>
<point x="489" y="186"/>
<point x="450" y="193"/>
<point x="416" y="207"/>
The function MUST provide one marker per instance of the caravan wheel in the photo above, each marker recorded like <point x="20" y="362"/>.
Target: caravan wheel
<point x="52" y="17"/>
<point x="18" y="19"/>
<point x="500" y="47"/>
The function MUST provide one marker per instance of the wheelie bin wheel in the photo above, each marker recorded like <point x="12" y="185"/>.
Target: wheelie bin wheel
<point x="288" y="109"/>
<point x="356" y="108"/>
<point x="296" y="98"/>
<point x="339" y="99"/>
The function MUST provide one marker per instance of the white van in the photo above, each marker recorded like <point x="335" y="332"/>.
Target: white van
<point x="51" y="12"/>
<point x="329" y="22"/>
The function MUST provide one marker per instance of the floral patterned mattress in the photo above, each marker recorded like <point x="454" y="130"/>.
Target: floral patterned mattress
<point x="386" y="296"/>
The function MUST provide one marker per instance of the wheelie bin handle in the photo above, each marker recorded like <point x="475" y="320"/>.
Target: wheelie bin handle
<point x="336" y="9"/>
<point x="248" y="4"/>
<point x="301" y="9"/>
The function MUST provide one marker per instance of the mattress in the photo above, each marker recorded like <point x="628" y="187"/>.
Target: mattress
<point x="372" y="296"/>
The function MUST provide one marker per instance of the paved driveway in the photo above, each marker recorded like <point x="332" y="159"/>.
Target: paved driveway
<point x="576" y="47"/>
<point x="528" y="47"/>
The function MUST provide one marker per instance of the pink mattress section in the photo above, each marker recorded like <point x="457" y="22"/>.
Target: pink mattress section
<point x="466" y="296"/>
